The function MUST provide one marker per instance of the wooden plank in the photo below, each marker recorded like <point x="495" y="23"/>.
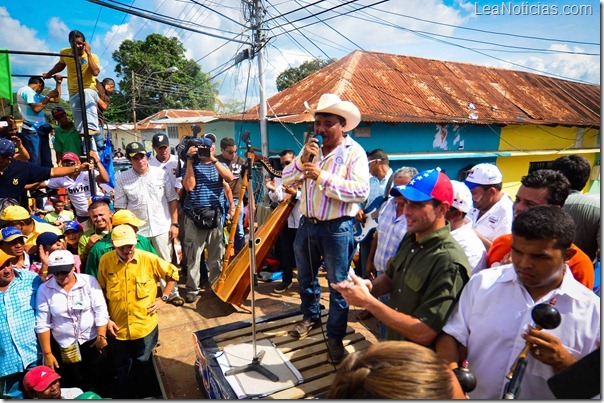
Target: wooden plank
<point x="308" y="355"/>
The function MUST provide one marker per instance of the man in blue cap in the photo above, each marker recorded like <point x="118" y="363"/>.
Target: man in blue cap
<point x="203" y="181"/>
<point x="426" y="275"/>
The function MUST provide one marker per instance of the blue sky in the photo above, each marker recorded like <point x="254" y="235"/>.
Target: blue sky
<point x="425" y="28"/>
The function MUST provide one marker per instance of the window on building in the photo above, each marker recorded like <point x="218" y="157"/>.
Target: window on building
<point x="173" y="132"/>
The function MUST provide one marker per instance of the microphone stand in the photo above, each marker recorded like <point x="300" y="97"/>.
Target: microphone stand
<point x="255" y="365"/>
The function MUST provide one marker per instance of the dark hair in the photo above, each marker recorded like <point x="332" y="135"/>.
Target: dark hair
<point x="108" y="81"/>
<point x="557" y="185"/>
<point x="378" y="153"/>
<point x="545" y="223"/>
<point x="576" y="168"/>
<point x="76" y="34"/>
<point x="286" y="152"/>
<point x="393" y="370"/>
<point x="35" y="80"/>
<point x="227" y="142"/>
<point x="97" y="204"/>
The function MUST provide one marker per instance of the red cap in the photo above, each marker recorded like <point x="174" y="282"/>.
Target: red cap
<point x="39" y="378"/>
<point x="69" y="156"/>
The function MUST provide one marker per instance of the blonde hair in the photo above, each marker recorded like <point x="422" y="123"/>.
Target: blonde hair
<point x="393" y="370"/>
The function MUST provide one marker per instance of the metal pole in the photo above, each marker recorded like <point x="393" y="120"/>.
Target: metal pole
<point x="134" y="105"/>
<point x="259" y="44"/>
<point x="87" y="140"/>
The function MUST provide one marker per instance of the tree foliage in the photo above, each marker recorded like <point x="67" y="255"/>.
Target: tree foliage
<point x="155" y="89"/>
<point x="291" y="76"/>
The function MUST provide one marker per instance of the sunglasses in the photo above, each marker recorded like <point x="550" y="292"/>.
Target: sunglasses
<point x="68" y="163"/>
<point x="62" y="273"/>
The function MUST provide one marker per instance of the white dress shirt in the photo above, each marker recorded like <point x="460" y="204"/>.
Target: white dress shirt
<point x="496" y="221"/>
<point x="472" y="245"/>
<point x="147" y="196"/>
<point x="66" y="314"/>
<point x="493" y="312"/>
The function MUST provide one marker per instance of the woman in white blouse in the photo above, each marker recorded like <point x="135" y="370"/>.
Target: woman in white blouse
<point x="71" y="306"/>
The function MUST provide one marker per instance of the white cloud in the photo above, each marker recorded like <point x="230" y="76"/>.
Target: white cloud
<point x="16" y="36"/>
<point x="57" y="29"/>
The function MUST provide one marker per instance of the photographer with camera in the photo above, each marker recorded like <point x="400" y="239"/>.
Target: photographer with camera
<point x="204" y="179"/>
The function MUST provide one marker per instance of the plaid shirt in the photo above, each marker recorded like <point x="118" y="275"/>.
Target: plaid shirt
<point x="18" y="343"/>
<point x="147" y="196"/>
<point x="391" y="231"/>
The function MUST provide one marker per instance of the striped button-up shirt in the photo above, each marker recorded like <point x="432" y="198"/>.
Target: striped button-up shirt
<point x="341" y="186"/>
<point x="391" y="230"/>
<point x="147" y="196"/>
<point x="18" y="343"/>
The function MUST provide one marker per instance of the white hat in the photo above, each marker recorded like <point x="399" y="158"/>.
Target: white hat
<point x="483" y="174"/>
<point x="60" y="260"/>
<point x="462" y="197"/>
<point x="331" y="103"/>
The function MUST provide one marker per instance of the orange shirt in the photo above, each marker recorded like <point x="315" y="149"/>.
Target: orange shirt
<point x="580" y="264"/>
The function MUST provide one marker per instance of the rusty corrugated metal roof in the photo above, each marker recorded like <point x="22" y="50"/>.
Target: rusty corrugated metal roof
<point x="395" y="88"/>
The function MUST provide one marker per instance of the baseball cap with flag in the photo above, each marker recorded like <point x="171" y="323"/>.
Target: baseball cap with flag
<point x="60" y="261"/>
<point x="430" y="184"/>
<point x="483" y="174"/>
<point x="462" y="197"/>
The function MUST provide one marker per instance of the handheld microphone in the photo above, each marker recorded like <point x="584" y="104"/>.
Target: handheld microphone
<point x="319" y="137"/>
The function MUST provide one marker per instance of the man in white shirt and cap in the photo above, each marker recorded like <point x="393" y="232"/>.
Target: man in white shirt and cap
<point x="493" y="209"/>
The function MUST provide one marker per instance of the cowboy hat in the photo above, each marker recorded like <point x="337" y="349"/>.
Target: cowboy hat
<point x="331" y="103"/>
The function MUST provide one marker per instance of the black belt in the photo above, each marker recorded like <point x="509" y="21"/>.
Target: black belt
<point x="315" y="221"/>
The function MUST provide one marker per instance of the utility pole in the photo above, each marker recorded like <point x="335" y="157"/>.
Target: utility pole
<point x="134" y="105"/>
<point x="259" y="42"/>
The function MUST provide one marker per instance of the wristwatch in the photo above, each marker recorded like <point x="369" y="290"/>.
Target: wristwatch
<point x="175" y="224"/>
<point x="164" y="298"/>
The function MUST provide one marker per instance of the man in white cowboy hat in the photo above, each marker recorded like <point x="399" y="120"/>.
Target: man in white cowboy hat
<point x="335" y="180"/>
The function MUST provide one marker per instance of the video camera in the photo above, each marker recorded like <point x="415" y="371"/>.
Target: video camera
<point x="203" y="147"/>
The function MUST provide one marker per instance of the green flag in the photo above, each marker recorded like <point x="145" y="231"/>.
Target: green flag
<point x="6" y="81"/>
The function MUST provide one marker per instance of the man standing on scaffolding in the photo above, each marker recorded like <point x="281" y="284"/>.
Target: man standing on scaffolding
<point x="90" y="69"/>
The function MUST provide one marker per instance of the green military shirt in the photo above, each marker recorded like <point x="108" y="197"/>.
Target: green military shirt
<point x="427" y="278"/>
<point x="104" y="245"/>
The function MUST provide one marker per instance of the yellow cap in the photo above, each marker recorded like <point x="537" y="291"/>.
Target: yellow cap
<point x="14" y="213"/>
<point x="123" y="235"/>
<point x="126" y="217"/>
<point x="4" y="257"/>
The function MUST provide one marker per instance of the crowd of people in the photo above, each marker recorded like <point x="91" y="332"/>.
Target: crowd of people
<point x="451" y="270"/>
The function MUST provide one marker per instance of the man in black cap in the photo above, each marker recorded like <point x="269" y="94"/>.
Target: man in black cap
<point x="166" y="161"/>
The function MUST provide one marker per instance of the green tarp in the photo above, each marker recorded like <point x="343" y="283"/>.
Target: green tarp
<point x="6" y="82"/>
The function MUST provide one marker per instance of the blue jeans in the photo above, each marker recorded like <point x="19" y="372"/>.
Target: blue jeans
<point x="37" y="144"/>
<point x="133" y="366"/>
<point x="91" y="97"/>
<point x="333" y="241"/>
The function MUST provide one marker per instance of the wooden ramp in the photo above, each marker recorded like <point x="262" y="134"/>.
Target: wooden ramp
<point x="308" y="355"/>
